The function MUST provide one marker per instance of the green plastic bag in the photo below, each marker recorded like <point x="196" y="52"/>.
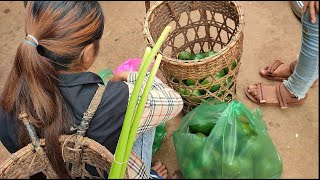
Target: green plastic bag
<point x="160" y="134"/>
<point x="237" y="146"/>
<point x="106" y="75"/>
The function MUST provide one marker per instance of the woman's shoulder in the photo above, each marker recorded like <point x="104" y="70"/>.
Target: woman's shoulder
<point x="117" y="89"/>
<point x="116" y="95"/>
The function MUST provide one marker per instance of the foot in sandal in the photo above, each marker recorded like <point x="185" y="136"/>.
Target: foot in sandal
<point x="277" y="95"/>
<point x="279" y="71"/>
<point x="159" y="171"/>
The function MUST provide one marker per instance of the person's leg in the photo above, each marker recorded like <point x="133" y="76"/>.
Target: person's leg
<point x="306" y="70"/>
<point x="304" y="75"/>
<point x="143" y="147"/>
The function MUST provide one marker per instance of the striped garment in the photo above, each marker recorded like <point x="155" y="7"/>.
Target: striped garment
<point x="162" y="105"/>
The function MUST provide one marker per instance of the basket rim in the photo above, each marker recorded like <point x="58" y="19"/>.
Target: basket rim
<point x="235" y="38"/>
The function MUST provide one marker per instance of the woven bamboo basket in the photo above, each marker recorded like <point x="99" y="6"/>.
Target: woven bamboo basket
<point x="28" y="161"/>
<point x="198" y="27"/>
<point x="81" y="154"/>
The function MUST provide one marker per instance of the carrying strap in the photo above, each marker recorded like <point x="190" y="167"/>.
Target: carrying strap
<point x="89" y="113"/>
<point x="76" y="170"/>
<point x="31" y="130"/>
<point x="81" y="129"/>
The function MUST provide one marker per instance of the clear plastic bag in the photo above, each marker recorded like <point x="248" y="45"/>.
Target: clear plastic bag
<point x="225" y="140"/>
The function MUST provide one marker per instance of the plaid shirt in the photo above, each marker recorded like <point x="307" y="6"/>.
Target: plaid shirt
<point x="162" y="105"/>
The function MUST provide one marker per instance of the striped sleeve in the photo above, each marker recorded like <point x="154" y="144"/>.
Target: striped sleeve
<point x="163" y="103"/>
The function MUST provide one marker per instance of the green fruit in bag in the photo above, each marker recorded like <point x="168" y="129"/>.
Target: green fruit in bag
<point x="232" y="169"/>
<point x="191" y="171"/>
<point x="248" y="130"/>
<point x="215" y="154"/>
<point x="200" y="135"/>
<point x="243" y="119"/>
<point x="184" y="55"/>
<point x="201" y="128"/>
<point x="266" y="169"/>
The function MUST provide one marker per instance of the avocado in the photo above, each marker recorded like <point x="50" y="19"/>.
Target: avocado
<point x="210" y="53"/>
<point x="184" y="55"/>
<point x="198" y="56"/>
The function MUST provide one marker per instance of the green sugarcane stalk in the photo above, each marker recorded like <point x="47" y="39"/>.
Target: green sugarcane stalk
<point x="116" y="168"/>
<point x="145" y="56"/>
<point x="140" y="109"/>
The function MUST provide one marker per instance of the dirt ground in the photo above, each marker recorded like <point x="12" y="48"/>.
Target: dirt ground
<point x="271" y="32"/>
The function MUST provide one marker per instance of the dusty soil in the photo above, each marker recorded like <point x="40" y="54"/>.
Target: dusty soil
<point x="271" y="32"/>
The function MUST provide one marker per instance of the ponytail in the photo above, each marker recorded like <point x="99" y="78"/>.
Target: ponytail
<point x="58" y="32"/>
<point x="33" y="88"/>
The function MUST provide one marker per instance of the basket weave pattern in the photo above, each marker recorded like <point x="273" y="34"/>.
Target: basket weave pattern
<point x="198" y="26"/>
<point x="28" y="161"/>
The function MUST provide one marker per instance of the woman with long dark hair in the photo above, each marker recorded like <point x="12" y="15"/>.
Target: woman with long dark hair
<point x="49" y="83"/>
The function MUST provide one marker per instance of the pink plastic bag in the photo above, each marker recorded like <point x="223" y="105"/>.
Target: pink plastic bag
<point x="132" y="64"/>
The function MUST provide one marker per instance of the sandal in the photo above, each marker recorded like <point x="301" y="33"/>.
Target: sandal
<point x="284" y="100"/>
<point x="273" y="66"/>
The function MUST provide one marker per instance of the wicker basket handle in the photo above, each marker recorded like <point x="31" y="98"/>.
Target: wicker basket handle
<point x="30" y="128"/>
<point x="89" y="113"/>
<point x="76" y="169"/>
